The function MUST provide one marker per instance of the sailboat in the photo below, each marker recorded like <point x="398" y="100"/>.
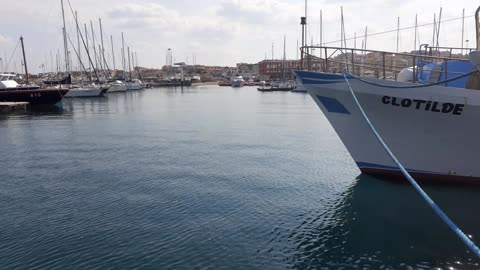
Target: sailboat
<point x="12" y="92"/>
<point x="84" y="90"/>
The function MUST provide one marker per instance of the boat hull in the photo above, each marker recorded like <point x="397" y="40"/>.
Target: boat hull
<point x="85" y="92"/>
<point x="117" y="88"/>
<point x="134" y="86"/>
<point x="431" y="130"/>
<point x="34" y="97"/>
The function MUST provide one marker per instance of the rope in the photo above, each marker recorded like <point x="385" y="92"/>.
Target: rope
<point x="469" y="243"/>
<point x="416" y="85"/>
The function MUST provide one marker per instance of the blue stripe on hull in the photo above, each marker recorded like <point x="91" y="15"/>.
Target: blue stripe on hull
<point x="333" y="105"/>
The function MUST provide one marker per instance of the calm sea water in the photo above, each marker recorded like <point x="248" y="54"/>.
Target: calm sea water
<point x="209" y="178"/>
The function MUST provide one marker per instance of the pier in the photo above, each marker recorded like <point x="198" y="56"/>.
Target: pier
<point x="13" y="106"/>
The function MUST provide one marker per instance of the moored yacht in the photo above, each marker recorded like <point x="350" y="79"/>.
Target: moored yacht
<point x="238" y="81"/>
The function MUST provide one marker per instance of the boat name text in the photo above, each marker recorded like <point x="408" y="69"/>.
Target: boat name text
<point x="433" y="106"/>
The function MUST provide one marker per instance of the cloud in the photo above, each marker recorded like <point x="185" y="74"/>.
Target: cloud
<point x="264" y="12"/>
<point x="5" y="41"/>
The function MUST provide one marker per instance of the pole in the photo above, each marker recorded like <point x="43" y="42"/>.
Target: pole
<point x="78" y="42"/>
<point x="463" y="27"/>
<point x="398" y="32"/>
<point x="129" y="67"/>
<point x="415" y="37"/>
<point x="438" y="28"/>
<point x="24" y="59"/>
<point x="113" y="55"/>
<point x="94" y="46"/>
<point x="123" y="57"/>
<point x="321" y="32"/>
<point x="65" y="44"/>
<point x="434" y="28"/>
<point x="90" y="64"/>
<point x="101" y="41"/>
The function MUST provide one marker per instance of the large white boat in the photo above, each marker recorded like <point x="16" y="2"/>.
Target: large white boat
<point x="429" y="121"/>
<point x="9" y="82"/>
<point x="134" y="85"/>
<point x="238" y="81"/>
<point x="117" y="86"/>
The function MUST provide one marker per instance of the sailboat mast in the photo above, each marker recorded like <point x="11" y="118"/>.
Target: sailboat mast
<point x="129" y="66"/>
<point x="24" y="59"/>
<point x="65" y="44"/>
<point x="321" y="32"/>
<point x="90" y="65"/>
<point x="113" y="54"/>
<point x="416" y="29"/>
<point x="398" y="32"/>
<point x="78" y="41"/>
<point x="123" y="57"/>
<point x="101" y="41"/>
<point x="284" y="56"/>
<point x="477" y="27"/>
<point x="94" y="46"/>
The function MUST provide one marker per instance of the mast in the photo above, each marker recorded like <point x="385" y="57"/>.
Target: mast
<point x="90" y="64"/>
<point x="477" y="28"/>
<point x="94" y="46"/>
<point x="434" y="28"/>
<point x="284" y="55"/>
<point x="321" y="32"/>
<point x="272" y="51"/>
<point x="78" y="41"/>
<point x="463" y="28"/>
<point x="129" y="66"/>
<point x="113" y="54"/>
<point x="438" y="29"/>
<point x="416" y="29"/>
<point x="398" y="31"/>
<point x="24" y="59"/>
<point x="101" y="41"/>
<point x="65" y="44"/>
<point x="123" y="57"/>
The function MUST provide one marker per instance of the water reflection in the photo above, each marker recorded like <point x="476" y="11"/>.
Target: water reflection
<point x="379" y="224"/>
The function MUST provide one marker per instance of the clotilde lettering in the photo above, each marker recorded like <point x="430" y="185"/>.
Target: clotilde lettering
<point x="406" y="103"/>
<point x="394" y="102"/>
<point x="418" y="103"/>
<point x="447" y="107"/>
<point x="433" y="106"/>
<point x="458" y="109"/>
<point x="427" y="107"/>
<point x="386" y="100"/>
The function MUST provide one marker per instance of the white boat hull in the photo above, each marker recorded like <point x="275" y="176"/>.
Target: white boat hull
<point x="134" y="86"/>
<point x="84" y="92"/>
<point x="433" y="131"/>
<point x="117" y="88"/>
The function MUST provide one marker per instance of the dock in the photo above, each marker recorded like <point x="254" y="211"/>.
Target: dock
<point x="13" y="106"/>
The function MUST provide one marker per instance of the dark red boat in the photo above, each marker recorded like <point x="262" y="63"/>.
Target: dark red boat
<point x="34" y="97"/>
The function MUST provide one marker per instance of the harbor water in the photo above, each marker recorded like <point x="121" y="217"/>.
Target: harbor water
<point x="209" y="177"/>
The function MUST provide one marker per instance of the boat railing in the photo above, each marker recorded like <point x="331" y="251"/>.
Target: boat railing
<point x="381" y="64"/>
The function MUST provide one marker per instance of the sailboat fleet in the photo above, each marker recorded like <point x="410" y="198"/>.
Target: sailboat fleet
<point x="93" y="80"/>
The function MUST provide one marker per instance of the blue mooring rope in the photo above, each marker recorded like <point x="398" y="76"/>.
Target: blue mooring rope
<point x="469" y="243"/>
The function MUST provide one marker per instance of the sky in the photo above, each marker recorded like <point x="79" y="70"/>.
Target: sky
<point x="221" y="32"/>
